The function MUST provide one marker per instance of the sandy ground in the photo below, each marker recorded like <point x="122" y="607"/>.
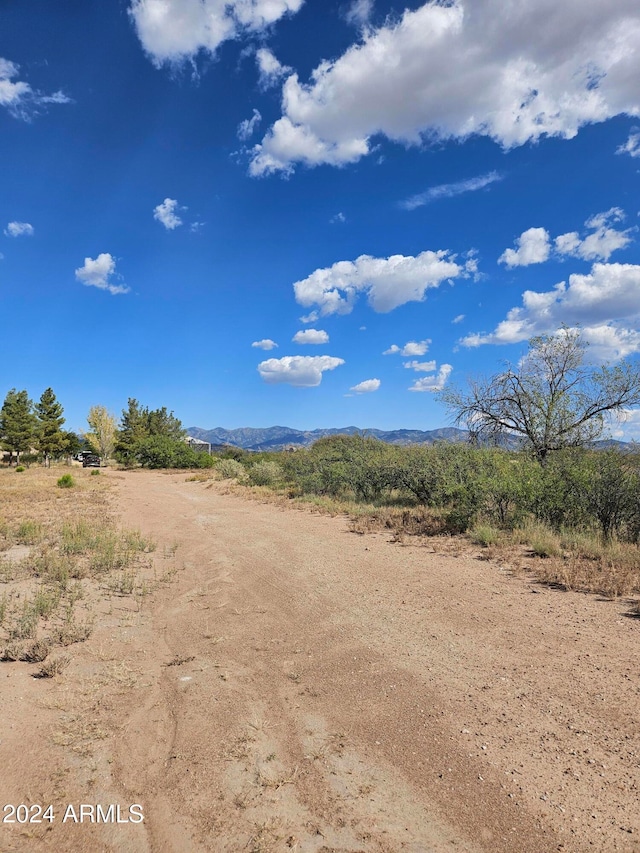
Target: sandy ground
<point x="299" y="687"/>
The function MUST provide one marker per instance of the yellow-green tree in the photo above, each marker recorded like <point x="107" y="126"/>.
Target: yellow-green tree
<point x="102" y="436"/>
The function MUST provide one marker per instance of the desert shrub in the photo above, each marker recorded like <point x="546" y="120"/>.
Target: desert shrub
<point x="20" y="469"/>
<point x="66" y="482"/>
<point x="265" y="474"/>
<point x="342" y="466"/>
<point x="230" y="469"/>
<point x="95" y="473"/>
<point x="54" y="666"/>
<point x="560" y="496"/>
<point x="612" y="492"/>
<point x="36" y="652"/>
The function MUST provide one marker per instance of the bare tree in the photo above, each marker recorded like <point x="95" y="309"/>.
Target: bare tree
<point x="551" y="400"/>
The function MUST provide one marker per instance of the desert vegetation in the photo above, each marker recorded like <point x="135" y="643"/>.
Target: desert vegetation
<point x="62" y="559"/>
<point x="579" y="512"/>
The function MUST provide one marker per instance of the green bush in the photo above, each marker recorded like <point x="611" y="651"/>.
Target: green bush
<point x="265" y="474"/>
<point x="66" y="482"/>
<point x="19" y="469"/>
<point x="230" y="469"/>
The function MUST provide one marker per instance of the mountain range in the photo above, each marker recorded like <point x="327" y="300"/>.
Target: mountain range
<point x="279" y="437"/>
<point x="282" y="437"/>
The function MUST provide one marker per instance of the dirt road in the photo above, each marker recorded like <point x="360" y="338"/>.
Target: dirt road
<point x="300" y="687"/>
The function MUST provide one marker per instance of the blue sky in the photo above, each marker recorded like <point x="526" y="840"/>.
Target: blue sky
<point x="397" y="195"/>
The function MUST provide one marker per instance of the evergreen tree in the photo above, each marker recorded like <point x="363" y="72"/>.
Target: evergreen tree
<point x="133" y="430"/>
<point x="50" y="437"/>
<point x="17" y="423"/>
<point x="138" y="423"/>
<point x="165" y="423"/>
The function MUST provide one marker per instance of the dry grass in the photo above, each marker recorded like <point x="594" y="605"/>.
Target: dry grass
<point x="74" y="556"/>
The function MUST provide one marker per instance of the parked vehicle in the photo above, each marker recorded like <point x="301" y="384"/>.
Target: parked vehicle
<point x="91" y="460"/>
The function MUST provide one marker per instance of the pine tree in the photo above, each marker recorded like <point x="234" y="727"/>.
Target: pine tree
<point x="133" y="430"/>
<point x="17" y="423"/>
<point x="50" y="437"/>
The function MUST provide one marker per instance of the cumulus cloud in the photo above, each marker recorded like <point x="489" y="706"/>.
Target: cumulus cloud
<point x="311" y="317"/>
<point x="172" y="31"/>
<point x="514" y="72"/>
<point x="101" y="272"/>
<point x="19" y="98"/>
<point x="311" y="336"/>
<point x="339" y="217"/>
<point x="247" y="127"/>
<point x="601" y="243"/>
<point x="366" y="387"/>
<point x="301" y="371"/>
<point x="387" y="282"/>
<point x="19" y="229"/>
<point x="265" y="343"/>
<point x="459" y="318"/>
<point x="411" y="348"/>
<point x="450" y="190"/>
<point x="533" y="247"/>
<point x="270" y="69"/>
<point x="631" y="146"/>
<point x="166" y="213"/>
<point x="604" y="302"/>
<point x="420" y="366"/>
<point x="435" y="382"/>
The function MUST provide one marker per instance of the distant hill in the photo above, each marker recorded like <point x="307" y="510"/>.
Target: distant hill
<point x="280" y="437"/>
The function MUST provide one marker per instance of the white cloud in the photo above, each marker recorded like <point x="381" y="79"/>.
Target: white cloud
<point x="172" y="31"/>
<point x="533" y="247"/>
<point x="247" y="127"/>
<point x="359" y="12"/>
<point x="410" y="349"/>
<point x="311" y="336"/>
<point x="366" y="387"/>
<point x="388" y="282"/>
<point x="515" y="72"/>
<point x="302" y="371"/>
<point x="631" y="146"/>
<point x="265" y="343"/>
<point x="270" y="69"/>
<point x="451" y="190"/>
<point x="19" y="229"/>
<point x="458" y="319"/>
<point x="166" y="213"/>
<point x="19" y="98"/>
<point x="629" y="429"/>
<point x="311" y="317"/>
<point x="433" y="383"/>
<point x="604" y="302"/>
<point x="339" y="217"/>
<point x="100" y="272"/>
<point x="420" y="366"/>
<point x="601" y="243"/>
